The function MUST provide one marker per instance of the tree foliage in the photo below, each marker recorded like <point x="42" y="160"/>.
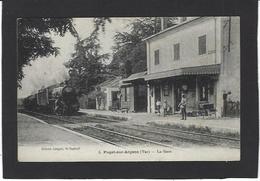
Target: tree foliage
<point x="87" y="61"/>
<point x="129" y="53"/>
<point x="101" y="23"/>
<point x="34" y="39"/>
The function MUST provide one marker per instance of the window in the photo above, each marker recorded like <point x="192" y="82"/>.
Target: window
<point x="125" y="94"/>
<point x="176" y="51"/>
<point x="202" y="45"/>
<point x="156" y="57"/>
<point x="166" y="90"/>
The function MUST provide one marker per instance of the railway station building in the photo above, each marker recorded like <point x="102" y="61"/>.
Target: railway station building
<point x="199" y="57"/>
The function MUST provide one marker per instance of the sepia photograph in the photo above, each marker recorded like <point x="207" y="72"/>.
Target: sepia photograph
<point x="127" y="89"/>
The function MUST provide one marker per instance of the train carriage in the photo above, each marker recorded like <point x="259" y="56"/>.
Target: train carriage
<point x="30" y="103"/>
<point x="43" y="97"/>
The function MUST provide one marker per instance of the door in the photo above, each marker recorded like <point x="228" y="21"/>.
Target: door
<point x="115" y="100"/>
<point x="177" y="96"/>
<point x="140" y="96"/>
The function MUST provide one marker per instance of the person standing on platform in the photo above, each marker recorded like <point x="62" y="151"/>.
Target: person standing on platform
<point x="165" y="107"/>
<point x="158" y="106"/>
<point x="182" y="106"/>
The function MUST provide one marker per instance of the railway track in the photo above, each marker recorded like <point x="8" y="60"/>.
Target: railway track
<point x="141" y="134"/>
<point x="55" y="119"/>
<point x="194" y="133"/>
<point x="69" y="119"/>
<point x="112" y="137"/>
<point x="118" y="138"/>
<point x="186" y="135"/>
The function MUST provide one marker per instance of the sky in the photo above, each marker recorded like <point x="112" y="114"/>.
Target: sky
<point x="50" y="70"/>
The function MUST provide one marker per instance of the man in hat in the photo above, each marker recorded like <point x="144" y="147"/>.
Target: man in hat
<point x="182" y="106"/>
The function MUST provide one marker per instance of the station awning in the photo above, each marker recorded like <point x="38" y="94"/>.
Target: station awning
<point x="200" y="70"/>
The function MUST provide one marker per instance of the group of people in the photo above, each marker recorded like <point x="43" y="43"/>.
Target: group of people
<point x="165" y="108"/>
<point x="162" y="108"/>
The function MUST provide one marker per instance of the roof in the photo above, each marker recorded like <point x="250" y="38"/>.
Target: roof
<point x="200" y="70"/>
<point x="136" y="76"/>
<point x="171" y="28"/>
<point x="114" y="82"/>
<point x="122" y="84"/>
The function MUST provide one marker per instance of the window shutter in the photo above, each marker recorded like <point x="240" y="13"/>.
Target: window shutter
<point x="202" y="45"/>
<point x="156" y="57"/>
<point x="176" y="51"/>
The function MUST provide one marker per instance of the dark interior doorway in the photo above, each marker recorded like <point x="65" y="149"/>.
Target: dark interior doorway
<point x="115" y="100"/>
<point x="140" y="95"/>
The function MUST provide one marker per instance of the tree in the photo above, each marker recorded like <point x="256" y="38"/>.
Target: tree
<point x="101" y="23"/>
<point x="87" y="63"/>
<point x="129" y="53"/>
<point x="34" y="39"/>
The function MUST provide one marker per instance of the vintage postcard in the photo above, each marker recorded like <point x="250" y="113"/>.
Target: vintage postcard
<point x="102" y="89"/>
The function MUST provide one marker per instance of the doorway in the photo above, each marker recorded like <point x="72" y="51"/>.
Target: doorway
<point x="140" y="96"/>
<point x="115" y="100"/>
<point x="157" y="93"/>
<point x="177" y="97"/>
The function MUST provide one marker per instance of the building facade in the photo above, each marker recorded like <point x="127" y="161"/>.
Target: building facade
<point x="108" y="94"/>
<point x="134" y="93"/>
<point x="200" y="58"/>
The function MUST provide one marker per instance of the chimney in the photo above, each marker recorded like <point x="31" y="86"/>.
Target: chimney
<point x="162" y="24"/>
<point x="164" y="21"/>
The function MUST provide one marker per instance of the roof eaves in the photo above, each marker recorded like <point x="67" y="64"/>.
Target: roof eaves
<point x="170" y="28"/>
<point x="139" y="75"/>
<point x="111" y="82"/>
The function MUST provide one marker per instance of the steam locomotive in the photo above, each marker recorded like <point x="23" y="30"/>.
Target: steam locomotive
<point x="60" y="99"/>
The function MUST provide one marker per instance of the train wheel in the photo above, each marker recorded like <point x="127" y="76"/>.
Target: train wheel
<point x="58" y="110"/>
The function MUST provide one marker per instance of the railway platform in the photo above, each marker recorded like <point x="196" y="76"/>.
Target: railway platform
<point x="33" y="132"/>
<point x="227" y="126"/>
